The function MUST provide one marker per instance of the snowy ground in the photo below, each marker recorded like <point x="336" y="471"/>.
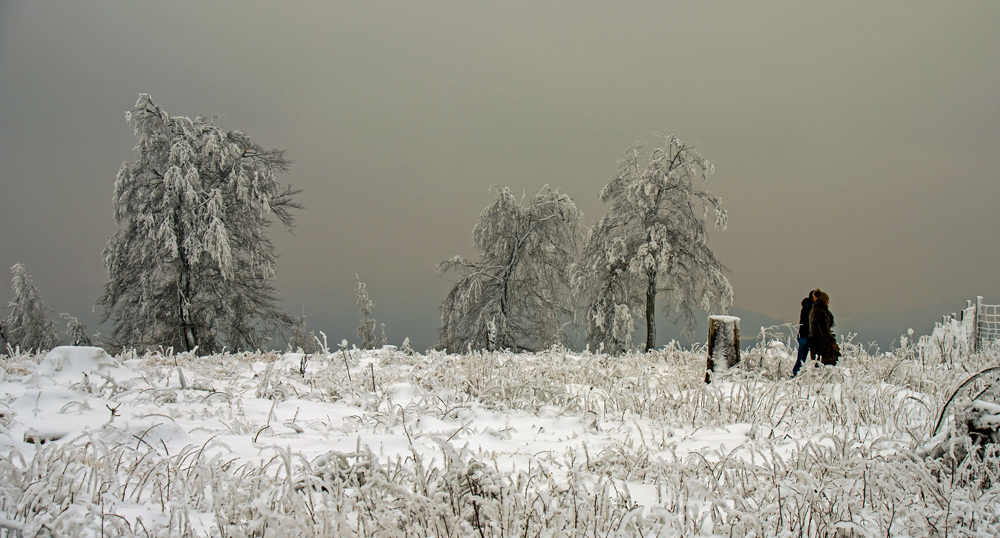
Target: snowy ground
<point x="558" y="443"/>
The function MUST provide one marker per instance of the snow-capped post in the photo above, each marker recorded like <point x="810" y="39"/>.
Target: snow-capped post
<point x="723" y="344"/>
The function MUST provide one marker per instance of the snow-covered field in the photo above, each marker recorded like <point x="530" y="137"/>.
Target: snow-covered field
<point x="381" y="443"/>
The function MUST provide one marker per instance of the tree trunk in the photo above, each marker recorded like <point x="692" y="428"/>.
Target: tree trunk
<point x="188" y="339"/>
<point x="187" y="324"/>
<point x="651" y="310"/>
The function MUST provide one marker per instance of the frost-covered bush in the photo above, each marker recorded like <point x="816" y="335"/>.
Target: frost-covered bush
<point x="949" y="340"/>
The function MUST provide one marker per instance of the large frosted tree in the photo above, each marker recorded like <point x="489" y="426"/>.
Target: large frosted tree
<point x="191" y="265"/>
<point x="29" y="325"/>
<point x="516" y="295"/>
<point x="653" y="240"/>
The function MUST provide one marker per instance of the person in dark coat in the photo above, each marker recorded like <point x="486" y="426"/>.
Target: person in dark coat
<point x="803" y="338"/>
<point x="822" y="342"/>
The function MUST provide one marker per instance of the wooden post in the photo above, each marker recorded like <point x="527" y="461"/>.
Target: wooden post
<point x="723" y="344"/>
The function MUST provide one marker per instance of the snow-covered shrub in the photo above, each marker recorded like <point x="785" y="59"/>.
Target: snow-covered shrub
<point x="407" y="347"/>
<point x="771" y="356"/>
<point x="950" y="339"/>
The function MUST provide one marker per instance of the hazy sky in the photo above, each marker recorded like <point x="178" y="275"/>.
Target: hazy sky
<point x="856" y="144"/>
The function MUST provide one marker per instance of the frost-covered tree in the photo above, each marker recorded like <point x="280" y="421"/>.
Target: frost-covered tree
<point x="76" y="331"/>
<point x="516" y="296"/>
<point x="191" y="265"/>
<point x="366" y="324"/>
<point x="301" y="341"/>
<point x="28" y="326"/>
<point x="653" y="239"/>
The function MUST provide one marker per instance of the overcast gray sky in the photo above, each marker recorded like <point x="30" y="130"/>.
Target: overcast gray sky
<point x="855" y="143"/>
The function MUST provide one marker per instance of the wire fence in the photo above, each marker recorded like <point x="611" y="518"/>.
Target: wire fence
<point x="975" y="327"/>
<point x="987" y="324"/>
<point x="971" y="330"/>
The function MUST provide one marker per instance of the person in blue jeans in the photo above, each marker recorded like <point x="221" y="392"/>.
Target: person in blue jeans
<point x="803" y="338"/>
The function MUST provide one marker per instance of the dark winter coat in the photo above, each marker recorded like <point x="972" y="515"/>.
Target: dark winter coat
<point x="822" y="342"/>
<point x="807" y="305"/>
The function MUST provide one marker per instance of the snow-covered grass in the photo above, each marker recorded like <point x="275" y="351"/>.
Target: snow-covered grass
<point x="484" y="444"/>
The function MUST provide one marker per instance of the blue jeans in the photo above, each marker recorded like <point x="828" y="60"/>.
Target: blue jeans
<point x="803" y="352"/>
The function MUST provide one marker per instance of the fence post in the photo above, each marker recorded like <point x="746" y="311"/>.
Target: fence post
<point x="969" y="326"/>
<point x="975" y="325"/>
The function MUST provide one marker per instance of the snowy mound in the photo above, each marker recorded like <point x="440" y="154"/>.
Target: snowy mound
<point x="69" y="364"/>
